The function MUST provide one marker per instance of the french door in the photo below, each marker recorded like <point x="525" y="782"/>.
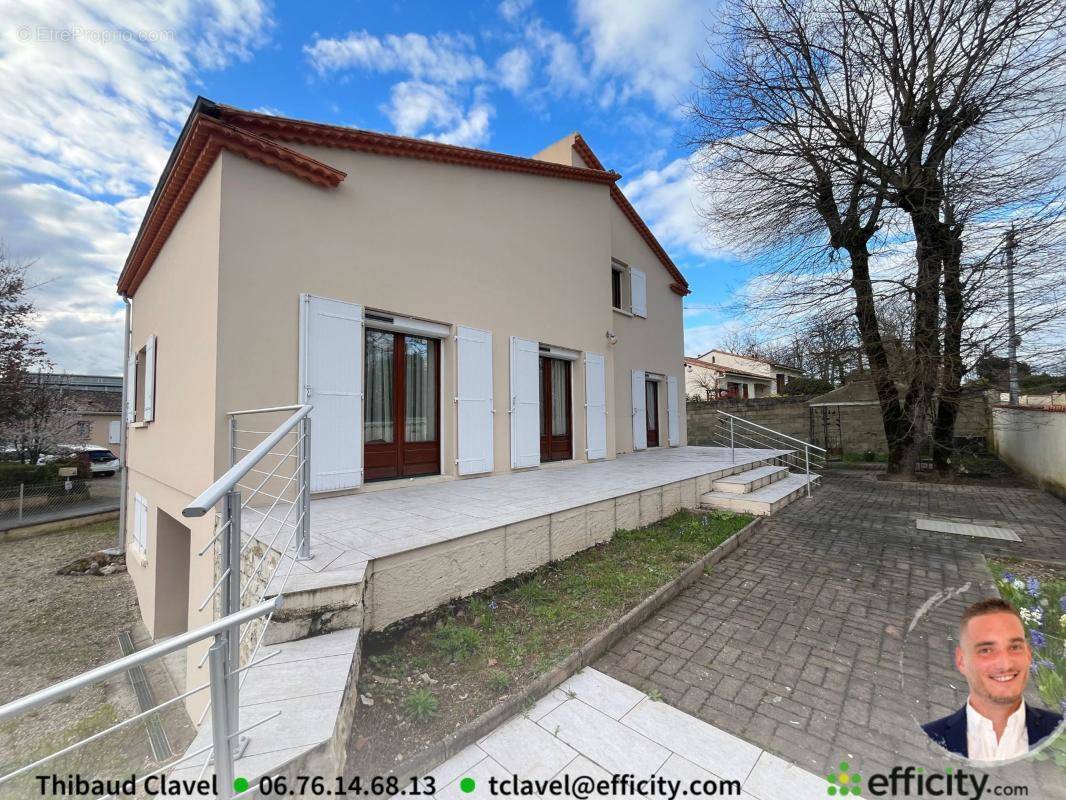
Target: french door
<point x="556" y="428"/>
<point x="401" y="416"/>
<point x="651" y="389"/>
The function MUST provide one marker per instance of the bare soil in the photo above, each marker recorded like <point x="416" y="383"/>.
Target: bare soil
<point x="54" y="627"/>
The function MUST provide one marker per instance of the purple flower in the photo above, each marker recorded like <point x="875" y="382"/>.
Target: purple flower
<point x="1032" y="585"/>
<point x="1046" y="664"/>
<point x="492" y="604"/>
<point x="1008" y="577"/>
<point x="1062" y="603"/>
<point x="1039" y="640"/>
<point x="1033" y="668"/>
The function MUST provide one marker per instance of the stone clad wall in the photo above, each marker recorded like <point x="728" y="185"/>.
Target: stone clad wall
<point x="860" y="426"/>
<point x="786" y="415"/>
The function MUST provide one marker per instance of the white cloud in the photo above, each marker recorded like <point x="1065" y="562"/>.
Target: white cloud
<point x="510" y="10"/>
<point x="651" y="47"/>
<point x="669" y="200"/>
<point x="441" y="58"/>
<point x="513" y="69"/>
<point x="562" y="59"/>
<point x="89" y="110"/>
<point x="422" y="109"/>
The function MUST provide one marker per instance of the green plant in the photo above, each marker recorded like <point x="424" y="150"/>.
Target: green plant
<point x="457" y="641"/>
<point x="655" y="695"/>
<point x="499" y="681"/>
<point x="421" y="704"/>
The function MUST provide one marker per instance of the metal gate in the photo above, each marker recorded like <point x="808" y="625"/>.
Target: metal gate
<point x="827" y="432"/>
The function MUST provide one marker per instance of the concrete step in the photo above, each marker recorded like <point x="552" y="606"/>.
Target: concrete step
<point x="315" y="604"/>
<point x="750" y="480"/>
<point x="312" y="683"/>
<point x="765" y="501"/>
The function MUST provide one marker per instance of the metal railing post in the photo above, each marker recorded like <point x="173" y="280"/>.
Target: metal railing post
<point x="231" y="604"/>
<point x="22" y="498"/>
<point x="807" y="459"/>
<point x="304" y="548"/>
<point x="732" y="448"/>
<point x="223" y="727"/>
<point x="232" y="440"/>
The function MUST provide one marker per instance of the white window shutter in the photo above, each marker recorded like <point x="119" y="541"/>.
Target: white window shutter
<point x="474" y="401"/>
<point x="640" y="411"/>
<point x="595" y="406"/>
<point x="525" y="403"/>
<point x="149" y="379"/>
<point x="638" y="284"/>
<point x="673" y="412"/>
<point x="331" y="379"/>
<point x="131" y="388"/>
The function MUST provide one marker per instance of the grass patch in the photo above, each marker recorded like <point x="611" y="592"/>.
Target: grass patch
<point x="431" y="675"/>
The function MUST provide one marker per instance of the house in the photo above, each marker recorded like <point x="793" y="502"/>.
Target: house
<point x="449" y="312"/>
<point x="95" y="401"/>
<point x="717" y="373"/>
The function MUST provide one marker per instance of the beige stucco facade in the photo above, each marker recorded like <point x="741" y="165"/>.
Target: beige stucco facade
<point x="515" y="254"/>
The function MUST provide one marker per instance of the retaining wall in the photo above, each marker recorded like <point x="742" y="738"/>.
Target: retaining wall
<point x="1033" y="442"/>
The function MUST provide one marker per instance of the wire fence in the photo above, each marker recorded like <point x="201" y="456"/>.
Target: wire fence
<point x="26" y="503"/>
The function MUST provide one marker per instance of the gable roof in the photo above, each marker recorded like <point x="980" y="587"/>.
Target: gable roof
<point x="724" y="370"/>
<point x="212" y="127"/>
<point x="680" y="285"/>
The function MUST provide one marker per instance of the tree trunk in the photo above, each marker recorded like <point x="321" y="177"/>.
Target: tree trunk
<point x="931" y="248"/>
<point x="898" y="431"/>
<point x="947" y="409"/>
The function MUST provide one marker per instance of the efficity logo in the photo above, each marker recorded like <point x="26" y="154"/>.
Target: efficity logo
<point x="907" y="782"/>
<point x="844" y="782"/>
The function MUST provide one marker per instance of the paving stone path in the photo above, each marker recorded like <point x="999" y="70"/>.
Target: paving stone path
<point x="799" y="642"/>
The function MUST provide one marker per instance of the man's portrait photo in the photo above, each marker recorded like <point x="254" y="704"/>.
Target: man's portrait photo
<point x="993" y="654"/>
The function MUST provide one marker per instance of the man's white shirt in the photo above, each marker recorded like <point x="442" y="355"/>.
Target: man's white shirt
<point x="981" y="736"/>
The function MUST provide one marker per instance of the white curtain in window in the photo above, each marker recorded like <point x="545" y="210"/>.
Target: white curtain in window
<point x="560" y="415"/>
<point x="378" y="423"/>
<point x="420" y="380"/>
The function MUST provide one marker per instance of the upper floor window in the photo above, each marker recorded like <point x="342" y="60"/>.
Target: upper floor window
<point x="629" y="289"/>
<point x="140" y="388"/>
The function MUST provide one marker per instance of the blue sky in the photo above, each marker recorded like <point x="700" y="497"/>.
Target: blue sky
<point x="94" y="96"/>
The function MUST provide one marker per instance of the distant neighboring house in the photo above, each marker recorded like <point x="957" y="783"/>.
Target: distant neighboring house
<point x="718" y="374"/>
<point x="90" y="407"/>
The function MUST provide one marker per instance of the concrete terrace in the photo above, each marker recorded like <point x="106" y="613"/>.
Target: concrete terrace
<point x="380" y="528"/>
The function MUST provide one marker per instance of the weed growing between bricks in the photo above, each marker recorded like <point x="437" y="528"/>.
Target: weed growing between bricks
<point x="422" y="679"/>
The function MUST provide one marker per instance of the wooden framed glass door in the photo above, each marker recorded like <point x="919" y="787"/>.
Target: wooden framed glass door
<point x="556" y="425"/>
<point x="401" y="412"/>
<point x="652" y="410"/>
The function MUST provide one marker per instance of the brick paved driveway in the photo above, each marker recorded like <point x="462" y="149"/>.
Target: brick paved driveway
<point x="799" y="642"/>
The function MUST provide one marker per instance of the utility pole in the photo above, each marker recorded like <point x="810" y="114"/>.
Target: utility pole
<point x="1012" y="342"/>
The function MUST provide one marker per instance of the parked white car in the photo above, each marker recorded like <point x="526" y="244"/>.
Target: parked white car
<point x="102" y="461"/>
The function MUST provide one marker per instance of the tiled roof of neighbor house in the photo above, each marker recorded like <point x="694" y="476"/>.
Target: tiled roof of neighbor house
<point x="773" y="364"/>
<point x="854" y="392"/>
<point x="88" y="401"/>
<point x="212" y="127"/>
<point x="726" y="370"/>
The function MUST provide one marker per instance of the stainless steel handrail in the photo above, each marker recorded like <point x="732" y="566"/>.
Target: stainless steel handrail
<point x="293" y="407"/>
<point x="217" y="490"/>
<point x="182" y="640"/>
<point x="770" y="430"/>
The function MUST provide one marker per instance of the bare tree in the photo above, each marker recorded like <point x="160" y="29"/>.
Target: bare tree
<point x="843" y="125"/>
<point x="20" y="350"/>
